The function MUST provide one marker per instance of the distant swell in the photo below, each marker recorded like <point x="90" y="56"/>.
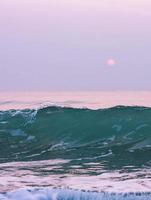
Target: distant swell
<point x="58" y="132"/>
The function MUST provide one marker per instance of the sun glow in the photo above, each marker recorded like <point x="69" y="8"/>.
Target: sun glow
<point x="111" y="62"/>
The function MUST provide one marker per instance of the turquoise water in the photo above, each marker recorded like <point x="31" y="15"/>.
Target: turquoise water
<point x="70" y="152"/>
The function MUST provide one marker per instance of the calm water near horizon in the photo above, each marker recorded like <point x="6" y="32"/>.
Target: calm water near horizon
<point x="51" y="149"/>
<point x="93" y="100"/>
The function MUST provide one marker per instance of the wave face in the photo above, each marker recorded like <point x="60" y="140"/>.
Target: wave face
<point x="69" y="133"/>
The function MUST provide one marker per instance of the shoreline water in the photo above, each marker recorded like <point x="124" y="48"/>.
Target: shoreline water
<point x="66" y="194"/>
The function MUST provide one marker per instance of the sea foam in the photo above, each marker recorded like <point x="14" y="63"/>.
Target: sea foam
<point x="66" y="194"/>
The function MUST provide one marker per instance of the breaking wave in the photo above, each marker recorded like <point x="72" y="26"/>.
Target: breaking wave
<point x="60" y="132"/>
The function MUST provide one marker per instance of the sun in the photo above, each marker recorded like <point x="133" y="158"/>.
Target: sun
<point x="111" y="62"/>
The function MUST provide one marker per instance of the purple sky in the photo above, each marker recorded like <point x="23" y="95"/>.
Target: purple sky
<point x="75" y="45"/>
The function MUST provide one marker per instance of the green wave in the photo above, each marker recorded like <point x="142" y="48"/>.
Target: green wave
<point x="60" y="132"/>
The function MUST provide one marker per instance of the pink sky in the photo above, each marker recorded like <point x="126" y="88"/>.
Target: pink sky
<point x="65" y="45"/>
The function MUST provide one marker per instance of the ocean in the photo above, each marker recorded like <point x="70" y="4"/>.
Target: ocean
<point x="75" y="145"/>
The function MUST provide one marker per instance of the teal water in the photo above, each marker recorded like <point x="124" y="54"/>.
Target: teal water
<point x="62" y="152"/>
<point x="70" y="133"/>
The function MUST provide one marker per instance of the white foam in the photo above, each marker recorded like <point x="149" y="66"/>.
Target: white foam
<point x="66" y="194"/>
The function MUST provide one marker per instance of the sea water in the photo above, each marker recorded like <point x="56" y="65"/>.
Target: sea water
<point x="75" y="145"/>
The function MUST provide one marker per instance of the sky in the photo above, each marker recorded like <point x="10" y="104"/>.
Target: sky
<point x="53" y="45"/>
